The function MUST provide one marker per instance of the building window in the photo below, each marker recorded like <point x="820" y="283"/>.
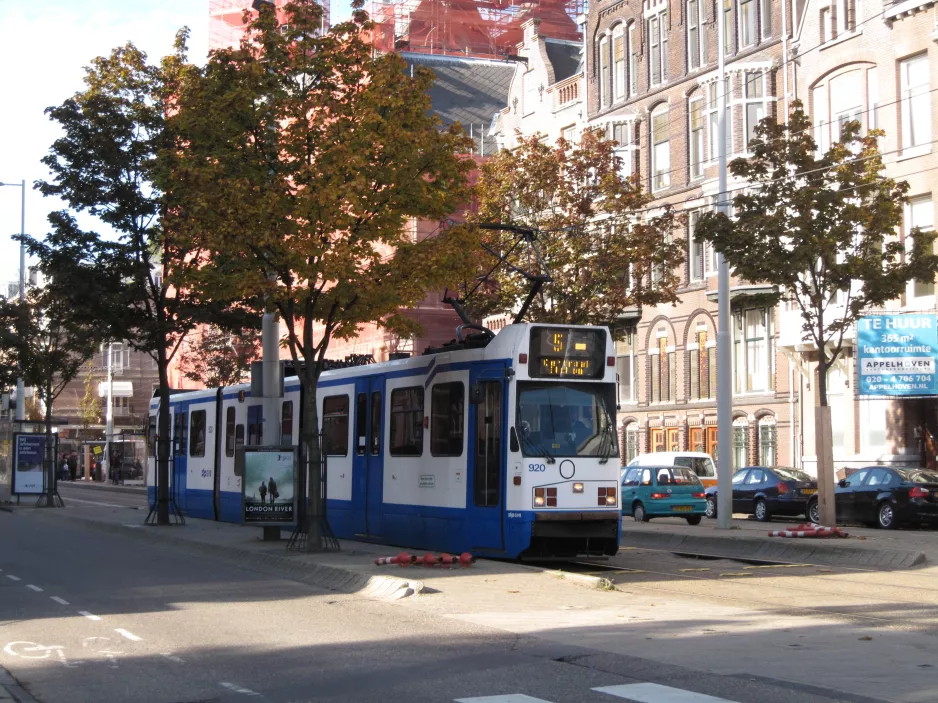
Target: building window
<point x="406" y="433"/>
<point x="755" y="103"/>
<point x="714" y="97"/>
<point x="633" y="61"/>
<point x="846" y="20"/>
<point x="662" y="372"/>
<point x="728" y="27"/>
<point x="335" y="425"/>
<point x="658" y="48"/>
<point x="740" y="443"/>
<point x="604" y="71"/>
<point x="286" y="424"/>
<point x="916" y="104"/>
<point x="768" y="455"/>
<point x="919" y="215"/>
<point x="447" y="403"/>
<point x="197" y="434"/>
<point x="747" y="23"/>
<point x="618" y="62"/>
<point x="626" y="148"/>
<point x="821" y="118"/>
<point x="631" y="442"/>
<point x="765" y="12"/>
<point x="701" y="364"/>
<point x="696" y="35"/>
<point x="753" y="351"/>
<point x="696" y="117"/>
<point x="661" y="148"/>
<point x="625" y="370"/>
<point x="569" y="135"/>
<point x="698" y="259"/>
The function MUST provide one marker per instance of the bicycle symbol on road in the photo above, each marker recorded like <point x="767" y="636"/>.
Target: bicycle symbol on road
<point x="90" y="645"/>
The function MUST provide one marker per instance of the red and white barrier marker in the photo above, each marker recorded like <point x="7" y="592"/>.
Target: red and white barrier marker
<point x="402" y="559"/>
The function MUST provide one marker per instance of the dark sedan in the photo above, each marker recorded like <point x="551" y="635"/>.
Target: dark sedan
<point x="764" y="492"/>
<point x="885" y="497"/>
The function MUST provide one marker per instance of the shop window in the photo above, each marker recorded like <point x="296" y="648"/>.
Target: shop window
<point x="335" y="425"/>
<point x="406" y="422"/>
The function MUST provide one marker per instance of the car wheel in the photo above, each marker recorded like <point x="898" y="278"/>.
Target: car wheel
<point x="761" y="511"/>
<point x="886" y="516"/>
<point x="638" y="512"/>
<point x="693" y="519"/>
<point x="813" y="513"/>
<point x="711" y="507"/>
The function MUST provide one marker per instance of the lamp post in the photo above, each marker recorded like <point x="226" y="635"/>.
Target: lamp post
<point x="20" y="400"/>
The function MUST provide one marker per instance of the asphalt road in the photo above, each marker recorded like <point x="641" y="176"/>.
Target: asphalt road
<point x="87" y="616"/>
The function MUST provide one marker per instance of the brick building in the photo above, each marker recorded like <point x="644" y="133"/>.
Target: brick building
<point x="652" y="84"/>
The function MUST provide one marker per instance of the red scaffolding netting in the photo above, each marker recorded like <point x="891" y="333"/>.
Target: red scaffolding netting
<point x="225" y="23"/>
<point x="481" y="28"/>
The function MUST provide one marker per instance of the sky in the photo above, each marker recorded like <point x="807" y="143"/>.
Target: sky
<point x="44" y="46"/>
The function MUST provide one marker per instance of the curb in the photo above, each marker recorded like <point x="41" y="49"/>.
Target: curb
<point x="331" y="578"/>
<point x="595" y="582"/>
<point x="10" y="690"/>
<point x="733" y="547"/>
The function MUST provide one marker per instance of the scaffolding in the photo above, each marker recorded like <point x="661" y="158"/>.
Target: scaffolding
<point x="479" y="28"/>
<point x="226" y="23"/>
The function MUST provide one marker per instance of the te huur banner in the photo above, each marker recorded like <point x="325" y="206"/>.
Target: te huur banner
<point x="269" y="486"/>
<point x="896" y="355"/>
<point x="29" y="451"/>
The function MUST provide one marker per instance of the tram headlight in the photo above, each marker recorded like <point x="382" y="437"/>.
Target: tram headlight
<point x="606" y="496"/>
<point x="538" y="497"/>
<point x="577" y="487"/>
<point x="545" y="496"/>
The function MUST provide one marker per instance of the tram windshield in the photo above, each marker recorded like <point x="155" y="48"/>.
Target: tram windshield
<point x="567" y="419"/>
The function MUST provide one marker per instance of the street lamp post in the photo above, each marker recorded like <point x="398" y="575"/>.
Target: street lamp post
<point x="20" y="400"/>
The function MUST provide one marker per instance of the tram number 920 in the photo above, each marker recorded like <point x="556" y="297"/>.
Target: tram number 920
<point x="537" y="467"/>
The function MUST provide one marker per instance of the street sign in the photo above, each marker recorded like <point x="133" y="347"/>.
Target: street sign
<point x="897" y="355"/>
<point x="268" y="487"/>
<point x="28" y="456"/>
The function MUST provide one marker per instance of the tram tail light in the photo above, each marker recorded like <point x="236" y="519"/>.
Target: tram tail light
<point x="522" y="358"/>
<point x="606" y="496"/>
<point x="517" y="480"/>
<point x="577" y="487"/>
<point x="610" y="361"/>
<point x="551" y="497"/>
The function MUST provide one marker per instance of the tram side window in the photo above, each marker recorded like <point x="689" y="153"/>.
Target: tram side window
<point x="151" y="436"/>
<point x="180" y="424"/>
<point x="230" y="432"/>
<point x="197" y="434"/>
<point x="335" y="425"/>
<point x="286" y="424"/>
<point x="361" y="423"/>
<point x="238" y="446"/>
<point x="376" y="423"/>
<point x="447" y="403"/>
<point x="406" y="425"/>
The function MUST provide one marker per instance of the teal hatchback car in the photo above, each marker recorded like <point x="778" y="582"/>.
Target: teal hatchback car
<point x="663" y="491"/>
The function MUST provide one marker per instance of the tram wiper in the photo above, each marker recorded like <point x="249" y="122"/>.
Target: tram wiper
<point x="535" y="447"/>
<point x="608" y="444"/>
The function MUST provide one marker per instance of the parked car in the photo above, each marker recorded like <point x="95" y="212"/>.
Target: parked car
<point x="766" y="491"/>
<point x="885" y="497"/>
<point x="698" y="462"/>
<point x="658" y="491"/>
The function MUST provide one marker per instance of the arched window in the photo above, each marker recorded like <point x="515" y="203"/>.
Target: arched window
<point x="661" y="363"/>
<point x="660" y="148"/>
<point x="618" y="62"/>
<point x="768" y="438"/>
<point x="631" y="443"/>
<point x="604" y="71"/>
<point x="740" y="443"/>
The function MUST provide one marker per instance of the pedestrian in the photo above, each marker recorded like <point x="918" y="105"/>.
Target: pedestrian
<point x="72" y="467"/>
<point x="64" y="469"/>
<point x="263" y="491"/>
<point x="272" y="490"/>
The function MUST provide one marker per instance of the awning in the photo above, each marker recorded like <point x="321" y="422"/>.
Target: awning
<point x="738" y="293"/>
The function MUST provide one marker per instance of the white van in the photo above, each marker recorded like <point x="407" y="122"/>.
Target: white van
<point x="698" y="462"/>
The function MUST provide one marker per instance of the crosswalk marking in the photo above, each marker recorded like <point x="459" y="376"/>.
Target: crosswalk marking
<point x="655" y="693"/>
<point x="510" y="698"/>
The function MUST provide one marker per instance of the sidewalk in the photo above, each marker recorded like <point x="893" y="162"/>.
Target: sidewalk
<point x="748" y="539"/>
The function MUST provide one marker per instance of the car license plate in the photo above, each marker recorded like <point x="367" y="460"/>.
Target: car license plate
<point x="809" y="491"/>
<point x="682" y="508"/>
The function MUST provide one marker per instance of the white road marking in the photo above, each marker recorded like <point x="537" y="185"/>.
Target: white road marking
<point x="13" y="578"/>
<point x="61" y="601"/>
<point x="174" y="658"/>
<point x="238" y="689"/>
<point x="33" y="588"/>
<point x="128" y="635"/>
<point x="655" y="693"/>
<point x="510" y="698"/>
<point x="94" y="502"/>
<point x="88" y="615"/>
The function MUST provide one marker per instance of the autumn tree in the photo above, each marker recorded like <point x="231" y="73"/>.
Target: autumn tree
<point x="89" y="406"/>
<point x="104" y="165"/>
<point x="50" y="343"/>
<point x="823" y="228"/>
<point x="604" y="251"/>
<point x="217" y="357"/>
<point x="300" y="157"/>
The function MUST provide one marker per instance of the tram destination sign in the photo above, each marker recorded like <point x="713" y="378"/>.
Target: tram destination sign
<point x="563" y="352"/>
<point x="269" y="486"/>
<point x="897" y="354"/>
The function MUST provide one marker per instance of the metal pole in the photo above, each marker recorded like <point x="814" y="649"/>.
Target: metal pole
<point x="109" y="422"/>
<point x="20" y="390"/>
<point x="724" y="362"/>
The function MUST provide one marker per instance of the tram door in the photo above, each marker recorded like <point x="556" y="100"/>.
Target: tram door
<point x="180" y="456"/>
<point x="487" y="473"/>
<point x="368" y="462"/>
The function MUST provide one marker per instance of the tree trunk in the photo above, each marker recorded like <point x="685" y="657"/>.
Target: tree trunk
<point x="163" y="442"/>
<point x="50" y="453"/>
<point x="823" y="437"/>
<point x="311" y="450"/>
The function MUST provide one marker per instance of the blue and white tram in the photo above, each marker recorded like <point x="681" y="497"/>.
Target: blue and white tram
<point x="502" y="445"/>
